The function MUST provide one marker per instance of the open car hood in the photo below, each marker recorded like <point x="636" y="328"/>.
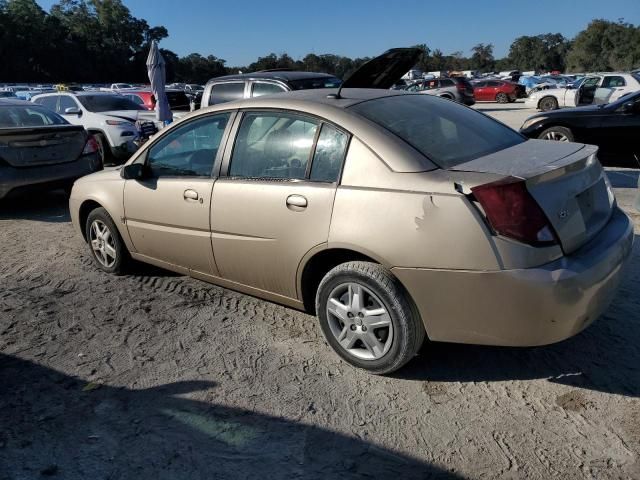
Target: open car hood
<point x="384" y="70"/>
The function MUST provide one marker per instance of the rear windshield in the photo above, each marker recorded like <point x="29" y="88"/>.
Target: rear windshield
<point x="443" y="131"/>
<point x="107" y="103"/>
<point x="312" y="83"/>
<point x="28" y="116"/>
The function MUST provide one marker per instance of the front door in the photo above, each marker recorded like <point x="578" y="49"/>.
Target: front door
<point x="275" y="203"/>
<point x="619" y="132"/>
<point x="167" y="213"/>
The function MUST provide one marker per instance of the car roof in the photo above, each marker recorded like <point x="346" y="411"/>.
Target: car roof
<point x="397" y="154"/>
<point x="282" y="75"/>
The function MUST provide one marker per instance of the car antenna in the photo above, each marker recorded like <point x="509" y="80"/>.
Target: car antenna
<point x="336" y="95"/>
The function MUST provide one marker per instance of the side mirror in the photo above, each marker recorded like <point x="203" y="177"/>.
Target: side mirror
<point x="72" y="111"/>
<point x="134" y="171"/>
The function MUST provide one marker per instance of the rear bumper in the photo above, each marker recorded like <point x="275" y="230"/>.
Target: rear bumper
<point x="12" y="178"/>
<point x="527" y="307"/>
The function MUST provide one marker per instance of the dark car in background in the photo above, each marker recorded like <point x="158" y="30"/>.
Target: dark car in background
<point x="247" y="85"/>
<point x="614" y="127"/>
<point x="500" y="91"/>
<point x="39" y="148"/>
<point x="178" y="100"/>
<point x="453" y="88"/>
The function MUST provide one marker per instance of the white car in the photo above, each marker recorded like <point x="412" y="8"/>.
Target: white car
<point x="110" y="117"/>
<point x="594" y="89"/>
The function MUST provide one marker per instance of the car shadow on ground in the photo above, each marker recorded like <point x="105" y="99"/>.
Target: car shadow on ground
<point x="605" y="357"/>
<point x="57" y="425"/>
<point x="43" y="206"/>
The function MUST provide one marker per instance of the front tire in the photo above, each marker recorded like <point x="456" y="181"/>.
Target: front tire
<point x="105" y="243"/>
<point x="368" y="318"/>
<point x="557" y="134"/>
<point x="547" y="104"/>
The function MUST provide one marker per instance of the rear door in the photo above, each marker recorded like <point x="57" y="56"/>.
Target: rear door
<point x="274" y="200"/>
<point x="167" y="213"/>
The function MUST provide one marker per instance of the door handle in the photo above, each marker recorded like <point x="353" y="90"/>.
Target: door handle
<point x="190" y="195"/>
<point x="296" y="201"/>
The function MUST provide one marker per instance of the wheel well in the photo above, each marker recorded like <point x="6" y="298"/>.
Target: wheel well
<point x="318" y="266"/>
<point x="85" y="209"/>
<point x="447" y="95"/>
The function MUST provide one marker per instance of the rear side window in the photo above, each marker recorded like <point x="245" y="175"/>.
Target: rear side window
<point x="446" y="82"/>
<point x="262" y="88"/>
<point x="273" y="145"/>
<point x="329" y="154"/>
<point x="614" y="81"/>
<point x="48" y="102"/>
<point x="446" y="133"/>
<point x="30" y="116"/>
<point x="494" y="84"/>
<point x="226" y="92"/>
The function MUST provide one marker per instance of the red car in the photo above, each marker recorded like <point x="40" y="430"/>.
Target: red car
<point x="144" y="98"/>
<point x="495" y="91"/>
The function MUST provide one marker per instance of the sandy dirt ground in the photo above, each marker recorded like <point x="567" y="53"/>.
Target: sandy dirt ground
<point x="158" y="376"/>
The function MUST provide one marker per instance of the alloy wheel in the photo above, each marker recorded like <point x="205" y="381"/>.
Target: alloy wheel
<point x="556" y="136"/>
<point x="359" y="321"/>
<point x="102" y="244"/>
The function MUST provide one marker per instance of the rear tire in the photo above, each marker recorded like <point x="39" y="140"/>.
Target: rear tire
<point x="368" y="318"/>
<point x="502" y="98"/>
<point x="557" y="134"/>
<point x="105" y="243"/>
<point x="547" y="104"/>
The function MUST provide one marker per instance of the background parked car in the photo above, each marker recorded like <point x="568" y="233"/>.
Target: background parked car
<point x="495" y="91"/>
<point x="40" y="148"/>
<point x="592" y="89"/>
<point x="235" y="87"/>
<point x="454" y="88"/>
<point x="110" y="117"/>
<point x="614" y="127"/>
<point x="179" y="101"/>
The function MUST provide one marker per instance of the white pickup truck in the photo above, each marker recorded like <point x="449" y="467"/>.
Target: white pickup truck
<point x="593" y="89"/>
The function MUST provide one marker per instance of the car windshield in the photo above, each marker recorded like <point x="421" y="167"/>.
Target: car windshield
<point x="317" y="82"/>
<point x="443" y="131"/>
<point x="107" y="103"/>
<point x="12" y="116"/>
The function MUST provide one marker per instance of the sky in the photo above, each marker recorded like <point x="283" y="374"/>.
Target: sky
<point x="242" y="31"/>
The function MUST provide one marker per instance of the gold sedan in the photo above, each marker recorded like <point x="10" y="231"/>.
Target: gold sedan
<point x="389" y="215"/>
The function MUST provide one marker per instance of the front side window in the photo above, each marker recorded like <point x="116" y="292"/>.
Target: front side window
<point x="66" y="102"/>
<point x="273" y="145"/>
<point x="190" y="150"/>
<point x="226" y="92"/>
<point x="444" y="132"/>
<point x="262" y="88"/>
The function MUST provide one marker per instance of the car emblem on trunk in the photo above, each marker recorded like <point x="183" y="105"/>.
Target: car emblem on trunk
<point x="563" y="213"/>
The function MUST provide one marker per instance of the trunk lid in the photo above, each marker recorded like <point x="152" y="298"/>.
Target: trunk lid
<point x="30" y="147"/>
<point x="566" y="180"/>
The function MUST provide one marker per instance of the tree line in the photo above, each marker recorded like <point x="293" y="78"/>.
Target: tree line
<point x="97" y="41"/>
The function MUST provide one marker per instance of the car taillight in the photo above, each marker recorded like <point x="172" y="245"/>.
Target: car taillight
<point x="91" y="146"/>
<point x="514" y="213"/>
